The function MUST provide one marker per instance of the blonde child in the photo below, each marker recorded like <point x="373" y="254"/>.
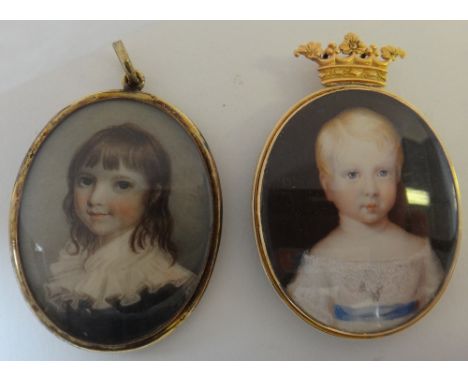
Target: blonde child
<point x="368" y="274"/>
<point x="120" y="262"/>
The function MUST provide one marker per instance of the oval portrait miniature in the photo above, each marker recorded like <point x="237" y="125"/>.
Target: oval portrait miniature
<point x="115" y="221"/>
<point x="356" y="210"/>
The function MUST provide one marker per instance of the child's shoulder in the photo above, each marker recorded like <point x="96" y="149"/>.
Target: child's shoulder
<point x="396" y="244"/>
<point x="404" y="241"/>
<point x="329" y="246"/>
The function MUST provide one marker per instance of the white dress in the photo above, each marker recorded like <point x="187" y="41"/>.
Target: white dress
<point x="113" y="272"/>
<point x="365" y="296"/>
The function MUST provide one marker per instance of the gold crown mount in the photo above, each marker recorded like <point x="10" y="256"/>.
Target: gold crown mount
<point x="352" y="62"/>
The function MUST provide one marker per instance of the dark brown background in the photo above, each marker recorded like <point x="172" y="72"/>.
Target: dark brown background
<point x="295" y="214"/>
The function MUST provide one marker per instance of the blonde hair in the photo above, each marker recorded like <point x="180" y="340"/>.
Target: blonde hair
<point x="360" y="123"/>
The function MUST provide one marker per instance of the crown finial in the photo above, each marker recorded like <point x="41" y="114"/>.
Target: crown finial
<point x="352" y="62"/>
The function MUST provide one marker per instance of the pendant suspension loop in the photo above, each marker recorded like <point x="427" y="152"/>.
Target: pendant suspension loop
<point x="133" y="80"/>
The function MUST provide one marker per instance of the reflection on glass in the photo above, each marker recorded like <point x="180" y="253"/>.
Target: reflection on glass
<point x="417" y="197"/>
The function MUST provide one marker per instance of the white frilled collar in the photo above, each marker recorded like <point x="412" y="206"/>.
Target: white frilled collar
<point x="114" y="271"/>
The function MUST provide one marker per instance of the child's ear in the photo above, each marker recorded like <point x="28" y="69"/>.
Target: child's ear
<point x="325" y="183"/>
<point x="398" y="172"/>
<point x="155" y="193"/>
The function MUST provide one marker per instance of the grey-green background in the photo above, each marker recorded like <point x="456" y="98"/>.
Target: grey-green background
<point x="43" y="227"/>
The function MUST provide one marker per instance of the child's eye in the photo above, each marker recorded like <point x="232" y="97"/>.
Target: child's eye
<point x="123" y="185"/>
<point x="352" y="174"/>
<point x="383" y="173"/>
<point x="85" y="181"/>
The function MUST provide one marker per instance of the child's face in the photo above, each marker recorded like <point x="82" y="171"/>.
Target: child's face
<point x="110" y="202"/>
<point x="363" y="181"/>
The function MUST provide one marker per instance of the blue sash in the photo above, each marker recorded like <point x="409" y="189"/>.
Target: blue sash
<point x="374" y="313"/>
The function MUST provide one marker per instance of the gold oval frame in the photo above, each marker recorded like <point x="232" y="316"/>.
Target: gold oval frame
<point x="257" y="221"/>
<point x="185" y="123"/>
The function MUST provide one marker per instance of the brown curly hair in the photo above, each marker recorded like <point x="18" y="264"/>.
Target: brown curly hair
<point x="136" y="149"/>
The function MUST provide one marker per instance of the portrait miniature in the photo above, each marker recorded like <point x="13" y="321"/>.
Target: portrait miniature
<point x="355" y="213"/>
<point x="368" y="273"/>
<point x="118" y="221"/>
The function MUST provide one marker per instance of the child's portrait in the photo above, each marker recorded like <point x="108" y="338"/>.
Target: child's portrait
<point x="133" y="224"/>
<point x="368" y="273"/>
<point x="358" y="223"/>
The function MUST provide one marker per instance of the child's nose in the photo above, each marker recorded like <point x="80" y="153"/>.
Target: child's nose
<point x="98" y="194"/>
<point x="370" y="186"/>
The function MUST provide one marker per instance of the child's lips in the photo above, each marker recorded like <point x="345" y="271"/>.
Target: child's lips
<point x="96" y="214"/>
<point x="371" y="207"/>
